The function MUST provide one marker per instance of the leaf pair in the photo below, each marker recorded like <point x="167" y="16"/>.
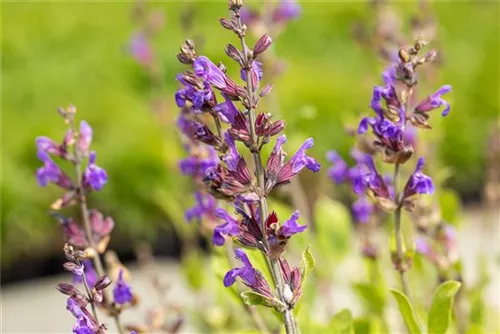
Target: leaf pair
<point x="440" y="313"/>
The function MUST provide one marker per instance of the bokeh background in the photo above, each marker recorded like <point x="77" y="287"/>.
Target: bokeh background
<point x="60" y="53"/>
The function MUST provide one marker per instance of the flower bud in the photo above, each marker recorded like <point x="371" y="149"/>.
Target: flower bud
<point x="262" y="45"/>
<point x="234" y="53"/>
<point x="227" y="24"/>
<point x="235" y="4"/>
<point x="67" y="289"/>
<point x="102" y="283"/>
<point x="266" y="90"/>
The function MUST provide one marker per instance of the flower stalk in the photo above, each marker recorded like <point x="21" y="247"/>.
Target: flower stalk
<point x="273" y="263"/>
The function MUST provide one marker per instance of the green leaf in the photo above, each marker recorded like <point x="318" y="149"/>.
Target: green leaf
<point x="371" y="296"/>
<point x="308" y="261"/>
<point x="341" y="322"/>
<point x="254" y="298"/>
<point x="442" y="303"/>
<point x="407" y="311"/>
<point x="192" y="264"/>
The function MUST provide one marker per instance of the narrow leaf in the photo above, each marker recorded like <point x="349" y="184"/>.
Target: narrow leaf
<point x="342" y="323"/>
<point x="442" y="303"/>
<point x="254" y="298"/>
<point x="309" y="262"/>
<point x="407" y="312"/>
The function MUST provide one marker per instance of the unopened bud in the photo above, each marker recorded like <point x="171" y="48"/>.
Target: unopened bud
<point x="67" y="289"/>
<point x="404" y="55"/>
<point x="262" y="44"/>
<point x="287" y="294"/>
<point x="235" y="4"/>
<point x="102" y="283"/>
<point x="234" y="53"/>
<point x="227" y="24"/>
<point x="266" y="90"/>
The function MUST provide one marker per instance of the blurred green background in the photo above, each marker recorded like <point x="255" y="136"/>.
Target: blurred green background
<point x="57" y="53"/>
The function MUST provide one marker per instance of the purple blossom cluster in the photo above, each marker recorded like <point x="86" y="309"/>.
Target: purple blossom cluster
<point x="393" y="128"/>
<point x="222" y="127"/>
<point x="89" y="238"/>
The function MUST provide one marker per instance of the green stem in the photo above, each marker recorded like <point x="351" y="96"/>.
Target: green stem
<point x="400" y="265"/>
<point x="273" y="263"/>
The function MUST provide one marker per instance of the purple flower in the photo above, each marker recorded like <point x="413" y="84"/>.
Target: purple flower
<point x="50" y="172"/>
<point x="291" y="227"/>
<point x="85" y="137"/>
<point x="372" y="181"/>
<point x="90" y="274"/>
<point x="122" y="293"/>
<point x="339" y="171"/>
<point x="435" y="101"/>
<point x="362" y="210"/>
<point x="418" y="183"/>
<point x="279" y="173"/>
<point x="197" y="95"/>
<point x="205" y="207"/>
<point x="207" y="70"/>
<point x="248" y="274"/>
<point x="196" y="166"/>
<point x="256" y="74"/>
<point x="286" y="10"/>
<point x="49" y="146"/>
<point x="139" y="49"/>
<point x="229" y="227"/>
<point x="94" y="175"/>
<point x="74" y="307"/>
<point x="84" y="326"/>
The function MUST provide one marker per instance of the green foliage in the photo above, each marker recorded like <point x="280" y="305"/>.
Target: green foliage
<point x="342" y="323"/>
<point x="407" y="312"/>
<point x="441" y="306"/>
<point x="308" y="262"/>
<point x="253" y="298"/>
<point x="372" y="297"/>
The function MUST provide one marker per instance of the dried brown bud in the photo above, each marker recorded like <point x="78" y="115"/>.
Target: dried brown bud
<point x="428" y="57"/>
<point x="67" y="289"/>
<point x="102" y="283"/>
<point x="262" y="45"/>
<point x="404" y="55"/>
<point x="235" y="4"/>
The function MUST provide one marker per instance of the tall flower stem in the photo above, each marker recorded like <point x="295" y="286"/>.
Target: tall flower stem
<point x="82" y="200"/>
<point x="400" y="265"/>
<point x="273" y="263"/>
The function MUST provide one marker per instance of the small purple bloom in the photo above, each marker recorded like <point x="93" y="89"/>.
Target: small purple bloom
<point x="50" y="172"/>
<point x="85" y="137"/>
<point x="339" y="171"/>
<point x="74" y="307"/>
<point x="362" y="210"/>
<point x="84" y="326"/>
<point x="122" y="292"/>
<point x="196" y="166"/>
<point x="94" y="175"/>
<point x="372" y="181"/>
<point x="49" y="146"/>
<point x="205" y="207"/>
<point x="140" y="49"/>
<point x="301" y="160"/>
<point x="286" y="10"/>
<point x="291" y="227"/>
<point x="229" y="227"/>
<point x="90" y="274"/>
<point x="256" y="74"/>
<point x="207" y="70"/>
<point x="248" y="274"/>
<point x="418" y="183"/>
<point x="435" y="101"/>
